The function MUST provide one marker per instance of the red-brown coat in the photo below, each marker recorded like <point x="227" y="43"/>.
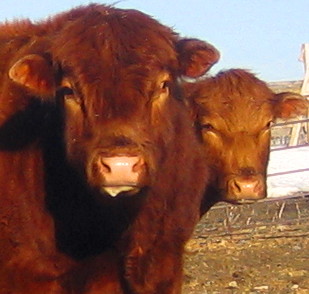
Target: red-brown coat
<point x="99" y="162"/>
<point x="233" y="112"/>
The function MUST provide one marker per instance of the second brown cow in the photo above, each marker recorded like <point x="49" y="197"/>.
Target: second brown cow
<point x="234" y="111"/>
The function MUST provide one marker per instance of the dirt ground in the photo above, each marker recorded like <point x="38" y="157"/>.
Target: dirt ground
<point x="258" y="248"/>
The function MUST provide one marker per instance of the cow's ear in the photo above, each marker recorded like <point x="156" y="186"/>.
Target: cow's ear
<point x="289" y="105"/>
<point x="35" y="73"/>
<point x="196" y="57"/>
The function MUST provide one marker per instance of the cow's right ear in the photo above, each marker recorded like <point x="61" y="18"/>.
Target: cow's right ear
<point x="290" y="105"/>
<point x="35" y="73"/>
<point x="196" y="57"/>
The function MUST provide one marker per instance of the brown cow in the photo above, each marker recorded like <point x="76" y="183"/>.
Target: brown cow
<point x="233" y="112"/>
<point x="100" y="165"/>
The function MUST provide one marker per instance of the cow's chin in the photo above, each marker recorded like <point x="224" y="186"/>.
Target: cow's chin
<point x="116" y="191"/>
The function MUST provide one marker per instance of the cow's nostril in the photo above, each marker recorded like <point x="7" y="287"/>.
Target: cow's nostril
<point x="138" y="166"/>
<point x="236" y="186"/>
<point x="104" y="166"/>
<point x="244" y="186"/>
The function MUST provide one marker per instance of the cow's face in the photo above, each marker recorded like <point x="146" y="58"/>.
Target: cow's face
<point x="119" y="95"/>
<point x="117" y="136"/>
<point x="234" y="112"/>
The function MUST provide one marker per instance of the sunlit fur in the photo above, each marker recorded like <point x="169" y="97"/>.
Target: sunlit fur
<point x="114" y="90"/>
<point x="233" y="112"/>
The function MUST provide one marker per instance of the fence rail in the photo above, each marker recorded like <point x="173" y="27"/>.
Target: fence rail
<point x="291" y="122"/>
<point x="289" y="147"/>
<point x="288" y="172"/>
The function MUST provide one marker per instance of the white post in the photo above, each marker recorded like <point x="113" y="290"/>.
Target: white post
<point x="296" y="129"/>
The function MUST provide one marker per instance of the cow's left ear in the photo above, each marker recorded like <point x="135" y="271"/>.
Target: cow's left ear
<point x="35" y="73"/>
<point x="290" y="105"/>
<point x="196" y="57"/>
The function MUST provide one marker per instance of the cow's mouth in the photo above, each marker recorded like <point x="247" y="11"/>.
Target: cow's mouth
<point x="242" y="201"/>
<point x="114" y="191"/>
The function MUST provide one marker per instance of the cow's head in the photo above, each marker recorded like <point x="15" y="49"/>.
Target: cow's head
<point x="114" y="74"/>
<point x="233" y="112"/>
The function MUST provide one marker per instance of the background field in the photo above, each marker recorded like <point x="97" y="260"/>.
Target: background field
<point x="259" y="248"/>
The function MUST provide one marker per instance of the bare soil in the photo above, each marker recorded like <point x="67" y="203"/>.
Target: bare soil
<point x="257" y="248"/>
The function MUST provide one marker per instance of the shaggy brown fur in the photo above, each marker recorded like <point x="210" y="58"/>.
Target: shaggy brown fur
<point x="233" y="112"/>
<point x="92" y="82"/>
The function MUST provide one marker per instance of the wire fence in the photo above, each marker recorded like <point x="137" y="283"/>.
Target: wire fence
<point x="284" y="217"/>
<point x="282" y="134"/>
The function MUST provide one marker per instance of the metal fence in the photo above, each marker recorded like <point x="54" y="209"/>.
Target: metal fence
<point x="290" y="135"/>
<point x="270" y="218"/>
<point x="284" y="133"/>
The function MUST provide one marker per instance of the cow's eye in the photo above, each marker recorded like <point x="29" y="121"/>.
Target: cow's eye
<point x="164" y="85"/>
<point x="161" y="92"/>
<point x="69" y="94"/>
<point x="207" y="127"/>
<point x="67" y="91"/>
<point x="269" y="125"/>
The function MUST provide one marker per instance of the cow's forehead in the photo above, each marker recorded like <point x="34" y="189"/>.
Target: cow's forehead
<point x="223" y="98"/>
<point x="234" y="90"/>
<point x="117" y="59"/>
<point x="236" y="108"/>
<point x="236" y="114"/>
<point x="113" y="41"/>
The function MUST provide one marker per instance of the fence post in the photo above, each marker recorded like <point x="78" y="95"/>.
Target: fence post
<point x="304" y="57"/>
